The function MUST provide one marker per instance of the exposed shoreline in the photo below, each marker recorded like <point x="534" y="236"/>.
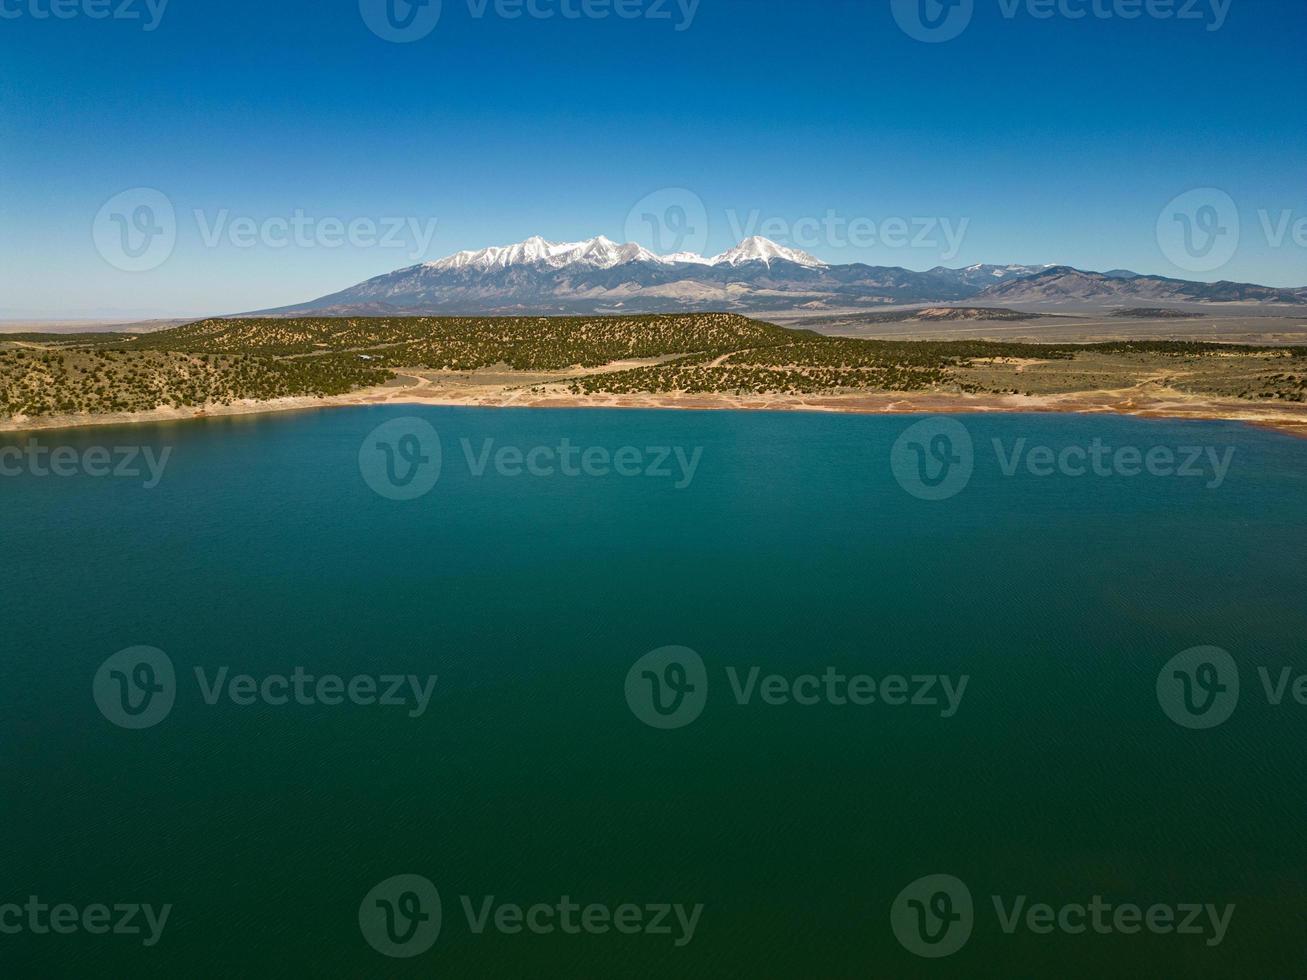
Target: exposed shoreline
<point x="1141" y="402"/>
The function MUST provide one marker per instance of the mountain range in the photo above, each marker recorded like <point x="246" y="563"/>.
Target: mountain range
<point x="537" y="277"/>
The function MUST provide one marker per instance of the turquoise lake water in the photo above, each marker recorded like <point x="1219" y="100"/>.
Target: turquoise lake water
<point x="797" y="548"/>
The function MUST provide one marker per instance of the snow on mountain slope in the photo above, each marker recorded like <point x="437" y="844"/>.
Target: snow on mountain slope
<point x="598" y="253"/>
<point x="603" y="253"/>
<point x="759" y="249"/>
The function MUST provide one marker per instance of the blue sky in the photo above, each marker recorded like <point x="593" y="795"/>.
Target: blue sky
<point x="1033" y="138"/>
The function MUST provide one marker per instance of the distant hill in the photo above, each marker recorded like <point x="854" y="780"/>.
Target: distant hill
<point x="929" y="314"/>
<point x="935" y="314"/>
<point x="1065" y="285"/>
<point x="1154" y="313"/>
<point x="10" y="328"/>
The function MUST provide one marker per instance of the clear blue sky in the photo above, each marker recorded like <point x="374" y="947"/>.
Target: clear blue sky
<point x="1059" y="140"/>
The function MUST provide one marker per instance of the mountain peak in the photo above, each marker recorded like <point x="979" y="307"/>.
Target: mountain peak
<point x="759" y="249"/>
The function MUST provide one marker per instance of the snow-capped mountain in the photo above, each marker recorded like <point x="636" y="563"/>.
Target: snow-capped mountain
<point x="539" y="277"/>
<point x="759" y="249"/>
<point x="603" y="253"/>
<point x="598" y="253"/>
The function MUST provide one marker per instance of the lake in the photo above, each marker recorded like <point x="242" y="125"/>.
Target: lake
<point x="905" y="655"/>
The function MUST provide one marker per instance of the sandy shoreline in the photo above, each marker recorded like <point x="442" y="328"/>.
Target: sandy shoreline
<point x="463" y="391"/>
